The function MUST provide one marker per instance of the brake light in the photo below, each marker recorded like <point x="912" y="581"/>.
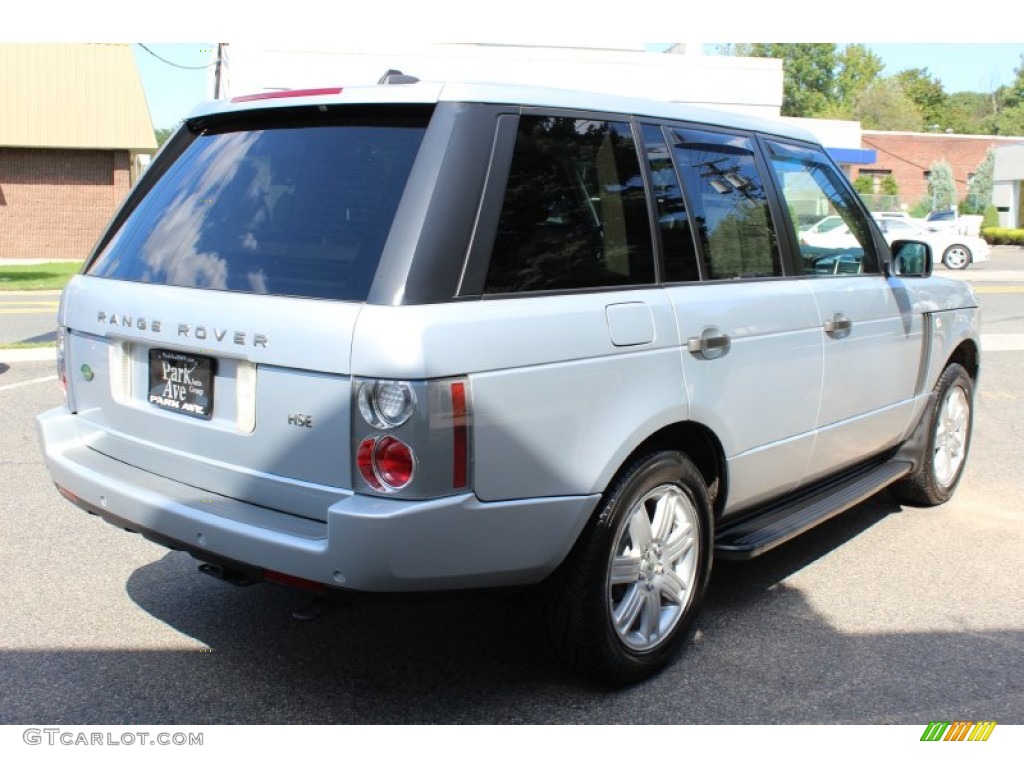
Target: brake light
<point x="386" y="463"/>
<point x="287" y="94"/>
<point x="364" y="460"/>
<point x="411" y="438"/>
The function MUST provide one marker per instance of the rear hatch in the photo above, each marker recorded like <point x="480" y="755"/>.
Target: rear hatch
<point x="209" y="339"/>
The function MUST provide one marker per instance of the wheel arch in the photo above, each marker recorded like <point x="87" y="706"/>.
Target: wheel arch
<point x="701" y="446"/>
<point x="967" y="355"/>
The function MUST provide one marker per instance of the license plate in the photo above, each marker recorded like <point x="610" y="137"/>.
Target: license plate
<point x="182" y="383"/>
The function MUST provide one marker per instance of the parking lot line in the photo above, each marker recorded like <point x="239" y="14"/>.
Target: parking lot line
<point x="28" y="383"/>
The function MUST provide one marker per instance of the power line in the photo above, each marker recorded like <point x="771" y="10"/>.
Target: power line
<point x="179" y="66"/>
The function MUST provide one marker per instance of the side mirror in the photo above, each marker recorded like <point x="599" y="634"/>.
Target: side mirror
<point x="911" y="258"/>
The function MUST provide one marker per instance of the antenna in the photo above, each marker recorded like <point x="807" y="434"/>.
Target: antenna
<point x="397" y="77"/>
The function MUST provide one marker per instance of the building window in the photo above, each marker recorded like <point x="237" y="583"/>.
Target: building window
<point x="876" y="175"/>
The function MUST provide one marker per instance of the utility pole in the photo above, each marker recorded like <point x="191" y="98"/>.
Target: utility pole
<point x="217" y="71"/>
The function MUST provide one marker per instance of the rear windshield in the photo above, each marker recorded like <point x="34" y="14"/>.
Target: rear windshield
<point x="290" y="207"/>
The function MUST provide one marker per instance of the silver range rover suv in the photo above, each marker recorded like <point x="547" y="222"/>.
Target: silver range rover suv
<point x="422" y="337"/>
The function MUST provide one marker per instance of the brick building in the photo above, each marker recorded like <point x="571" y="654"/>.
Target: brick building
<point x="73" y="118"/>
<point x="908" y="156"/>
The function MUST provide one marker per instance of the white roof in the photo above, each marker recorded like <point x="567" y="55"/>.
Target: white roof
<point x="530" y="96"/>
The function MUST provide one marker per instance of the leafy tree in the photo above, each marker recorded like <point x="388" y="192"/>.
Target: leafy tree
<point x="808" y="73"/>
<point x="1009" y="122"/>
<point x="864" y="184"/>
<point x="1012" y="95"/>
<point x="979" y="188"/>
<point x="1008" y="119"/>
<point x="889" y="186"/>
<point x="969" y="112"/>
<point x="883" y="106"/>
<point x="162" y="135"/>
<point x="928" y="94"/>
<point x="858" y="68"/>
<point x="828" y="81"/>
<point x="941" y="186"/>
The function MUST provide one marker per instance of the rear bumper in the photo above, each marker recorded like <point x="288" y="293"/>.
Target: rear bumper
<point x="367" y="543"/>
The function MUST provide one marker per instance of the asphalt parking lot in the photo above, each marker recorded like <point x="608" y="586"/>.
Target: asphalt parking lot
<point x="886" y="614"/>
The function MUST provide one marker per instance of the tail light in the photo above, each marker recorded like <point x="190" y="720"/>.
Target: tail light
<point x="411" y="438"/>
<point x="63" y="368"/>
<point x="62" y="362"/>
<point x="386" y="463"/>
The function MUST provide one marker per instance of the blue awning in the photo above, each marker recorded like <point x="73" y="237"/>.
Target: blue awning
<point x="845" y="156"/>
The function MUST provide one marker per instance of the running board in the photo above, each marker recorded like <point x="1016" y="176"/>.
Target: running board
<point x="778" y="524"/>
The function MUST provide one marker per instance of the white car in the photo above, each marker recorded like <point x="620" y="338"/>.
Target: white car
<point x="823" y="226"/>
<point x="942" y="221"/>
<point x="956" y="251"/>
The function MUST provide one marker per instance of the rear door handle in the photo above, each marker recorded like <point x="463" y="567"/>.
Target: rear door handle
<point x="710" y="345"/>
<point x="839" y="326"/>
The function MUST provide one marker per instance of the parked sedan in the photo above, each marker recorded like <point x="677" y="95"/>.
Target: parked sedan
<point x="956" y="251"/>
<point x="942" y="221"/>
<point x="820" y="227"/>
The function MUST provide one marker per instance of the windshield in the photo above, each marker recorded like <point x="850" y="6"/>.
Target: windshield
<point x="294" y="209"/>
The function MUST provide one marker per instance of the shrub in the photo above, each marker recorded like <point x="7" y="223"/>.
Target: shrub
<point x="1000" y="236"/>
<point x="991" y="217"/>
<point x="864" y="184"/>
<point x="921" y="208"/>
<point x="889" y="186"/>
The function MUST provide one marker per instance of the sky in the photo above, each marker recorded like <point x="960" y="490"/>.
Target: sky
<point x="172" y="92"/>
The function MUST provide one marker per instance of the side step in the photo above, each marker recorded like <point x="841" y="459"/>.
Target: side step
<point x="778" y="524"/>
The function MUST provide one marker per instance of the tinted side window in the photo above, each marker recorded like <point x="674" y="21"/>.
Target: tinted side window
<point x="833" y="234"/>
<point x="679" y="253"/>
<point x="574" y="213"/>
<point x="728" y="202"/>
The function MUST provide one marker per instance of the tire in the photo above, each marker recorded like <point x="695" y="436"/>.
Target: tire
<point x="957" y="257"/>
<point x="950" y="418"/>
<point x="622" y="604"/>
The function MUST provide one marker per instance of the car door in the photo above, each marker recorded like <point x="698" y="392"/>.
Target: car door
<point x="751" y="347"/>
<point x="871" y="335"/>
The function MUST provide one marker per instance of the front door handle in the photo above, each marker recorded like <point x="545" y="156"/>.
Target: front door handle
<point x="710" y="345"/>
<point x="839" y="326"/>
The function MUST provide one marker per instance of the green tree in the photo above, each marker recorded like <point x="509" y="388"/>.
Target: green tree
<point x="1009" y="122"/>
<point x="883" y="106"/>
<point x="969" y="112"/>
<point x="941" y="186"/>
<point x="858" y="68"/>
<point x="828" y="81"/>
<point x="162" y="135"/>
<point x="1008" y="119"/>
<point x="979" y="188"/>
<point x="928" y="94"/>
<point x="1012" y="95"/>
<point x="864" y="184"/>
<point x="808" y="73"/>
